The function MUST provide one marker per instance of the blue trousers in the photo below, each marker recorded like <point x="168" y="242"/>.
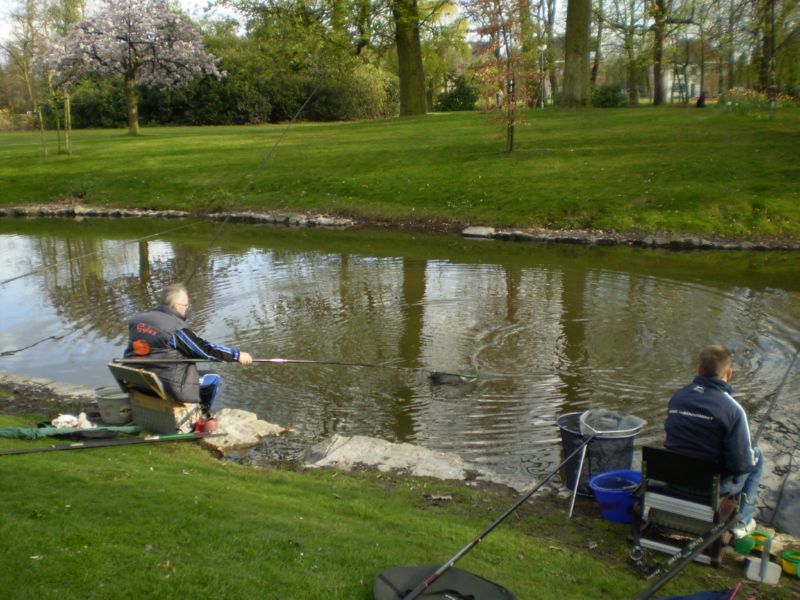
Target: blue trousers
<point x="747" y="483"/>
<point x="209" y="387"/>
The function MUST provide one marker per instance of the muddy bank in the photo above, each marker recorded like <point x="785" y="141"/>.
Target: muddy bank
<point x="665" y="240"/>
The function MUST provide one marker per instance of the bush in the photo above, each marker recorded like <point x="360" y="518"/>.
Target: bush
<point x="608" y="96"/>
<point x="462" y="96"/>
<point x="99" y="102"/>
<point x="361" y="92"/>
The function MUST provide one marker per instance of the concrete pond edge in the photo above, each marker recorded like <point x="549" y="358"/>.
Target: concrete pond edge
<point x="662" y="240"/>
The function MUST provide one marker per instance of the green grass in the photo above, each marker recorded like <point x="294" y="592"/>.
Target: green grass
<point x="628" y="170"/>
<point x="169" y="520"/>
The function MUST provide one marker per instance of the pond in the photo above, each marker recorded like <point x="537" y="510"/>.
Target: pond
<point x="546" y="329"/>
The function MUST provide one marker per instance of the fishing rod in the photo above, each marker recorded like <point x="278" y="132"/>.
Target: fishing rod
<point x="177" y="437"/>
<point x="426" y="583"/>
<point x="775" y="399"/>
<point x="442" y="377"/>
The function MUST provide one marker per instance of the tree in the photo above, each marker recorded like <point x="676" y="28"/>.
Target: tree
<point x="146" y="42"/>
<point x="576" y="89"/>
<point x="22" y="52"/>
<point x="413" y="100"/>
<point x="500" y="67"/>
<point x="626" y="19"/>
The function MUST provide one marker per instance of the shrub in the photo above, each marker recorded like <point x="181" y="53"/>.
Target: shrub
<point x="608" y="96"/>
<point x="360" y="92"/>
<point x="462" y="96"/>
<point x="99" y="102"/>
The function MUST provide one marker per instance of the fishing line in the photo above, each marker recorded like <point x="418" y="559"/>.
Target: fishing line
<point x="766" y="418"/>
<point x="785" y="479"/>
<point x="49" y="337"/>
<point x="253" y="178"/>
<point x="88" y="254"/>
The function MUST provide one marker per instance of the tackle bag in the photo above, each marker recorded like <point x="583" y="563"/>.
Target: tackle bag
<point x="395" y="583"/>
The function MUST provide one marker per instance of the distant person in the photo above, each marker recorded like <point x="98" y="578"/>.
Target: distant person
<point x="163" y="333"/>
<point x="701" y="100"/>
<point x="703" y="419"/>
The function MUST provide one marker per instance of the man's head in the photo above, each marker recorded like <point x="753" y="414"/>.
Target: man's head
<point x="176" y="297"/>
<point x="716" y="361"/>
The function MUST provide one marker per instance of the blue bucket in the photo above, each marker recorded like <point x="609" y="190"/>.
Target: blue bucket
<point x="614" y="492"/>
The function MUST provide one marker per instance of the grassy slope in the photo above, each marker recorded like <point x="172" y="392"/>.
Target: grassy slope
<point x="168" y="520"/>
<point x="628" y="170"/>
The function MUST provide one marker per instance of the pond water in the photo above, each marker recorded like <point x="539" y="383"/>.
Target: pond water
<point x="547" y="329"/>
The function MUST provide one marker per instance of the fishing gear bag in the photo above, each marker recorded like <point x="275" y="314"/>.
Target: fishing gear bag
<point x="395" y="583"/>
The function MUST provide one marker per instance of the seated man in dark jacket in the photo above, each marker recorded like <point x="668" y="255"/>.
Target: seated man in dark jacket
<point x="163" y="333"/>
<point x="703" y="419"/>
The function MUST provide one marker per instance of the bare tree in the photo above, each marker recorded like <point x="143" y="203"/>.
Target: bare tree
<point x="500" y="67"/>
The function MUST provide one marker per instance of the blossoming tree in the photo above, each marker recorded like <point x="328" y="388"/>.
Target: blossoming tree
<point x="145" y="41"/>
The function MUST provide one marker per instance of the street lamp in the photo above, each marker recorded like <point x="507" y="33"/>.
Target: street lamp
<point x="542" y="48"/>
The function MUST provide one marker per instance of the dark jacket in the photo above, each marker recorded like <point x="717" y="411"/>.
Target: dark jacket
<point x="703" y="419"/>
<point x="162" y="333"/>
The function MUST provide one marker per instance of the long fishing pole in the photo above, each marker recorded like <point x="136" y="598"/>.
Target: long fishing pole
<point x="426" y="583"/>
<point x="766" y="418"/>
<point x="254" y="177"/>
<point x="177" y="437"/>
<point x="436" y="376"/>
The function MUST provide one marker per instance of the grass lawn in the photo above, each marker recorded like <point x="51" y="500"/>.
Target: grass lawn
<point x="629" y="170"/>
<point x="169" y="521"/>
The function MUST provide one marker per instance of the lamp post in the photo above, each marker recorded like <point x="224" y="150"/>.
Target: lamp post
<point x="542" y="48"/>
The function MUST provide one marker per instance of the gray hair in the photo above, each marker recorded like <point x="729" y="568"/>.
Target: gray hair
<point x="170" y="293"/>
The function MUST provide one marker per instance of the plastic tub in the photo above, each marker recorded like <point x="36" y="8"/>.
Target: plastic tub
<point x="614" y="492"/>
<point x="602" y="454"/>
<point x="790" y="561"/>
<point x="114" y="405"/>
<point x="760" y="537"/>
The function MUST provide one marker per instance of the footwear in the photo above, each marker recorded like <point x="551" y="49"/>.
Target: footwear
<point x="742" y="529"/>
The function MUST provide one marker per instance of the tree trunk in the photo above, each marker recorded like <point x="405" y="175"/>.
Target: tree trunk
<point x="67" y="124"/>
<point x="41" y="129"/>
<point x="409" y="58"/>
<point x="576" y="91"/>
<point x="528" y="55"/>
<point x="550" y="5"/>
<point x="702" y="62"/>
<point x="510" y="116"/>
<point x="659" y="30"/>
<point x="633" y="69"/>
<point x="363" y="24"/>
<point x="766" y="16"/>
<point x="133" y="104"/>
<point x="597" y="44"/>
<point x="729" y="42"/>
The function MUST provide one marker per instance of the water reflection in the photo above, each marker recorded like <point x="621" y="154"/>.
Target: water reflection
<point x="549" y="330"/>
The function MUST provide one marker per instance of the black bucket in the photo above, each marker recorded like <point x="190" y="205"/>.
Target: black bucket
<point x="602" y="454"/>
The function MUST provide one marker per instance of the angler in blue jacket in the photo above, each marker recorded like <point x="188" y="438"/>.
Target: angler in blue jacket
<point x="703" y="419"/>
<point x="163" y="333"/>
